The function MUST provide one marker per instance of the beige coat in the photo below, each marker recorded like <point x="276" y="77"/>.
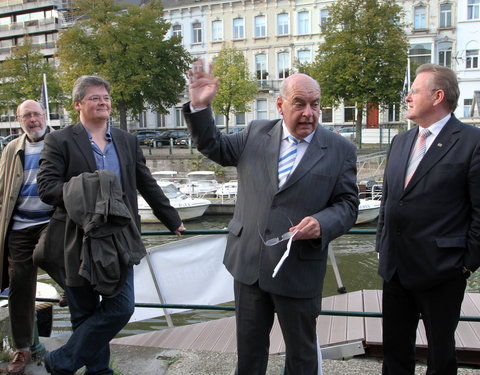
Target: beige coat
<point x="11" y="180"/>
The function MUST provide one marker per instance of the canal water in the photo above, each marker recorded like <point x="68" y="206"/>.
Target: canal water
<point x="354" y="253"/>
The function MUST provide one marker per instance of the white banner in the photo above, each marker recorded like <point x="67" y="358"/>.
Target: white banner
<point x="188" y="271"/>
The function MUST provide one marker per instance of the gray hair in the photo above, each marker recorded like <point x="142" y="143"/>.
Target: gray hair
<point x="443" y="79"/>
<point x="84" y="82"/>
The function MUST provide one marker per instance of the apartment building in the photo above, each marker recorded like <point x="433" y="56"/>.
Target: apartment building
<point x="41" y="21"/>
<point x="273" y="35"/>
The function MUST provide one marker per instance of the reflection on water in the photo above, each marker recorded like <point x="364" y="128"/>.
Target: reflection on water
<point x="355" y="256"/>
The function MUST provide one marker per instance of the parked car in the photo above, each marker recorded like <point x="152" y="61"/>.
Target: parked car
<point x="144" y="135"/>
<point x="182" y="141"/>
<point x="9" y="138"/>
<point x="350" y="133"/>
<point x="331" y="128"/>
<point x="164" y="138"/>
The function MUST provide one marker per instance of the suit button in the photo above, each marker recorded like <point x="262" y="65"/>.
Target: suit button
<point x="268" y="231"/>
<point x="400" y="203"/>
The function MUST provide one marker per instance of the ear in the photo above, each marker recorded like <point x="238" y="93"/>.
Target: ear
<point x="279" y="105"/>
<point x="76" y="105"/>
<point x="439" y="97"/>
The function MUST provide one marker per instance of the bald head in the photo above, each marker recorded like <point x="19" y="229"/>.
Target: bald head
<point x="299" y="104"/>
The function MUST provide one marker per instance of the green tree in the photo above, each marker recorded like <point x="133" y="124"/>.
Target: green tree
<point x="126" y="45"/>
<point x="21" y="77"/>
<point x="237" y="87"/>
<point x="364" y="56"/>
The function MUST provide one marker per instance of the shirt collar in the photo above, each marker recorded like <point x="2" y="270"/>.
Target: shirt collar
<point x="108" y="134"/>
<point x="437" y="127"/>
<point x="286" y="133"/>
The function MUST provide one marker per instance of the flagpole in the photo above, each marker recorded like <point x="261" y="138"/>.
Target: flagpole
<point x="408" y="72"/>
<point x="44" y="89"/>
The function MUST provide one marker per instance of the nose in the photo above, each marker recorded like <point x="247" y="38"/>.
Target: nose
<point x="307" y="112"/>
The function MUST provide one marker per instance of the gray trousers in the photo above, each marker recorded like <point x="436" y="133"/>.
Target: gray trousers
<point x="23" y="283"/>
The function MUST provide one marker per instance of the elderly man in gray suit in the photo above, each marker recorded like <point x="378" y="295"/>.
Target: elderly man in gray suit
<point x="309" y="198"/>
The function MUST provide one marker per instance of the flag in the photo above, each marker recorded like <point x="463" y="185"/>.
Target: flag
<point x="44" y="98"/>
<point x="406" y="84"/>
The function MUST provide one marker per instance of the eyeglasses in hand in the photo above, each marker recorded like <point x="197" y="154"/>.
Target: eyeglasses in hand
<point x="276" y="240"/>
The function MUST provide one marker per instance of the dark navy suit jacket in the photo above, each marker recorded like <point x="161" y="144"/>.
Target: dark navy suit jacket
<point x="430" y="230"/>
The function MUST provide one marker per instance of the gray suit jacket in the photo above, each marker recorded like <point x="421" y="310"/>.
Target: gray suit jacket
<point x="323" y="186"/>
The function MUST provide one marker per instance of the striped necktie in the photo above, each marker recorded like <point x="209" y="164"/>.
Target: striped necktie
<point x="287" y="160"/>
<point x="417" y="155"/>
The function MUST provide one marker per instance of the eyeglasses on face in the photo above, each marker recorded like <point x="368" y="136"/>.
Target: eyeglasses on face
<point x="414" y="92"/>
<point x="97" y="98"/>
<point x="27" y="115"/>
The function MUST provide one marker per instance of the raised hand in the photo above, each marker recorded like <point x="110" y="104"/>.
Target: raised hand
<point x="203" y="87"/>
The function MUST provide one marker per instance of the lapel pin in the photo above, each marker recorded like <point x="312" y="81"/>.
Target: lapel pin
<point x="439" y="144"/>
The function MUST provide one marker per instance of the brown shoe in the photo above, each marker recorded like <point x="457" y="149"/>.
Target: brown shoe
<point x="17" y="364"/>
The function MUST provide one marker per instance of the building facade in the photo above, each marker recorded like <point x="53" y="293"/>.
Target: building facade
<point x="273" y="36"/>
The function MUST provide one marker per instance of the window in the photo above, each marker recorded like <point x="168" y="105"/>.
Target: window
<point x="348" y="111"/>
<point x="238" y="29"/>
<point x="220" y="119"/>
<point x="262" y="109"/>
<point x="260" y="27"/>
<point x="197" y="32"/>
<point x="472" y="59"/>
<point x="323" y="18"/>
<point x="420" y="18"/>
<point x="179" y="122"/>
<point x="467" y="105"/>
<point x="327" y="115"/>
<point x="240" y="118"/>
<point x="420" y="53"/>
<point x="261" y="66"/>
<point x="445" y="54"/>
<point x="473" y="10"/>
<point x="446" y="15"/>
<point x="283" y="65"/>
<point x="303" y="23"/>
<point x="217" y="31"/>
<point x="304" y="56"/>
<point x="282" y="24"/>
<point x="177" y="30"/>
<point x="394" y="112"/>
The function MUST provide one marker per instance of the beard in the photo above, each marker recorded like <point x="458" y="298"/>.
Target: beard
<point x="36" y="133"/>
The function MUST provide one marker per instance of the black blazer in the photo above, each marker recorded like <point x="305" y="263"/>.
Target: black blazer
<point x="430" y="230"/>
<point x="323" y="185"/>
<point x="68" y="153"/>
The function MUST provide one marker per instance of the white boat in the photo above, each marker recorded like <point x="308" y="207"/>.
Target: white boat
<point x="44" y="290"/>
<point x="368" y="210"/>
<point x="187" y="207"/>
<point x="200" y="184"/>
<point x="227" y="190"/>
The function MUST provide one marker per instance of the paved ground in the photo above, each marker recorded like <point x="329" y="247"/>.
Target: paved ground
<point x="131" y="360"/>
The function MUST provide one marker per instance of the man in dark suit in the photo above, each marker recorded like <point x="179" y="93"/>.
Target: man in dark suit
<point x="428" y="234"/>
<point x="317" y="203"/>
<point x="85" y="147"/>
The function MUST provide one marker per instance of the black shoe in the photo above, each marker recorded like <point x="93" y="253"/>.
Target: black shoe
<point x="63" y="301"/>
<point x="45" y="362"/>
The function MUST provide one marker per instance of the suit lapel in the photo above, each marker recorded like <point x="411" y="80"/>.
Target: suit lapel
<point x="80" y="137"/>
<point x="120" y="143"/>
<point x="271" y="146"/>
<point x="442" y="144"/>
<point x="315" y="151"/>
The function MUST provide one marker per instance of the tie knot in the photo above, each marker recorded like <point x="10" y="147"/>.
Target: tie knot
<point x="425" y="133"/>
<point x="293" y="140"/>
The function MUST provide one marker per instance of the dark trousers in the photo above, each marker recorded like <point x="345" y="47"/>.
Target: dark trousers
<point x="95" y="321"/>
<point x="254" y="310"/>
<point x="23" y="283"/>
<point x="440" y="309"/>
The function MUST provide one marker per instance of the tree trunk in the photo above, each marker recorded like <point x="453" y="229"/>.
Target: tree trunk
<point x="358" y="125"/>
<point x="122" y="109"/>
<point x="227" y="119"/>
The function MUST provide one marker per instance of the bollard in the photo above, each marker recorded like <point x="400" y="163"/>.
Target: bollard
<point x="37" y="349"/>
<point x="190" y="145"/>
<point x="171" y="146"/>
